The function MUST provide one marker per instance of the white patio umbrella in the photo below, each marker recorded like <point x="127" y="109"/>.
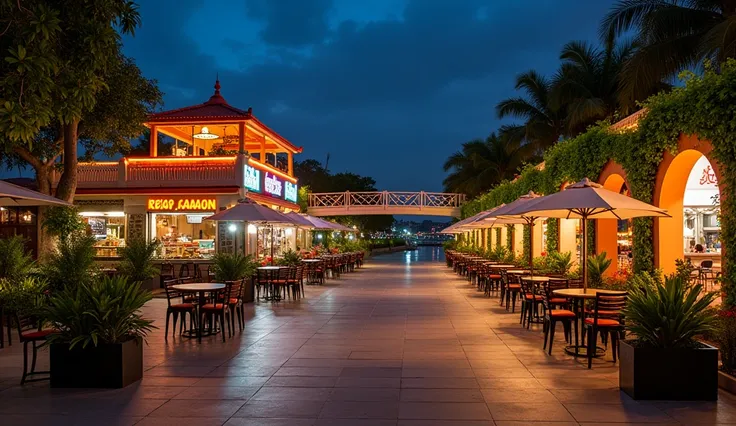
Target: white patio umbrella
<point x="502" y="214"/>
<point x="457" y="227"/>
<point x="17" y="196"/>
<point x="584" y="200"/>
<point x="251" y="212"/>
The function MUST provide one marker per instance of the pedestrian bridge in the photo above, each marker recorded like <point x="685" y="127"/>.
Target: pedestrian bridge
<point x="385" y="202"/>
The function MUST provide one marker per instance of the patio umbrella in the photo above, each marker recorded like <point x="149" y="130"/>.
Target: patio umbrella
<point x="251" y="212"/>
<point x="456" y="228"/>
<point x="17" y="196"/>
<point x="503" y="214"/>
<point x="584" y="200"/>
<point x="301" y="220"/>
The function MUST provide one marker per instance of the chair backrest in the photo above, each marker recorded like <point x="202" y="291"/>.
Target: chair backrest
<point x="184" y="270"/>
<point x="186" y="280"/>
<point x="609" y="304"/>
<point x="167" y="269"/>
<point x="263" y="275"/>
<point x="575" y="283"/>
<point x="26" y="323"/>
<point x="706" y="264"/>
<point x="555" y="284"/>
<point x="171" y="293"/>
<point x="299" y="272"/>
<point x="284" y="274"/>
<point x="236" y="289"/>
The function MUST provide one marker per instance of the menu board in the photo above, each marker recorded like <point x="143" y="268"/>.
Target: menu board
<point x="136" y="226"/>
<point x="97" y="225"/>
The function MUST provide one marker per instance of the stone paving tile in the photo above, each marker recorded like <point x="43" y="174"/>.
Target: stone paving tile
<point x="380" y="347"/>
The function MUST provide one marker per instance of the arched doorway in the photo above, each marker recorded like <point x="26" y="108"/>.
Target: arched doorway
<point x="614" y="236"/>
<point x="687" y="187"/>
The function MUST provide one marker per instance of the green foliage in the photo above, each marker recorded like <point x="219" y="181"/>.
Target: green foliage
<point x="559" y="263"/>
<point x="15" y="262"/>
<point x="684" y="268"/>
<point x="72" y="264"/>
<point x="23" y="295"/>
<point x="669" y="315"/>
<point x="354" y="245"/>
<point x="553" y="235"/>
<point x="450" y="244"/>
<point x="99" y="312"/>
<point x="138" y="255"/>
<point x="597" y="266"/>
<point x="62" y="222"/>
<point x="290" y="258"/>
<point x="724" y="335"/>
<point x="498" y="236"/>
<point x="527" y="242"/>
<point x="233" y="267"/>
<point x="510" y="238"/>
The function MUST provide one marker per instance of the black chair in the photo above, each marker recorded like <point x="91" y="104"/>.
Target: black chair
<point x="30" y="332"/>
<point x="552" y="316"/>
<point x="607" y="318"/>
<point x="167" y="273"/>
<point x="177" y="306"/>
<point x="218" y="309"/>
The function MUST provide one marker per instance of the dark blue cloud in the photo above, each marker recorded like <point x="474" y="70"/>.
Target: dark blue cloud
<point x="387" y="96"/>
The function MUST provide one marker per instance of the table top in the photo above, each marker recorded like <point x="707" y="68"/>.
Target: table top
<point x="311" y="260"/>
<point x="504" y="266"/>
<point x="578" y="292"/>
<point x="536" y="278"/>
<point x="519" y="271"/>
<point x="271" y="268"/>
<point x="194" y="287"/>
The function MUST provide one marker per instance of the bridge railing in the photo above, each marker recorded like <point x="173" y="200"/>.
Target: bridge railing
<point x="385" y="199"/>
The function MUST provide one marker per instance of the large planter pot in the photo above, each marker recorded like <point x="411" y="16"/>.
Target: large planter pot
<point x="669" y="374"/>
<point x="103" y="366"/>
<point x="249" y="293"/>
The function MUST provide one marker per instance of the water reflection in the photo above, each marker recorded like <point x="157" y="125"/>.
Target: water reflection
<point x="421" y="255"/>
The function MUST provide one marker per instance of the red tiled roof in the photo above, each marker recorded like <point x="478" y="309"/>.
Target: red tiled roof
<point x="215" y="107"/>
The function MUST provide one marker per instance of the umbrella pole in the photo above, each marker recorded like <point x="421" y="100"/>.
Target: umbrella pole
<point x="272" y="244"/>
<point x="584" y="255"/>
<point x="531" y="246"/>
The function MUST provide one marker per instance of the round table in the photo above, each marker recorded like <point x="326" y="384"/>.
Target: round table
<point x="272" y="269"/>
<point x="578" y="296"/>
<point x="503" y="266"/>
<point x="518" y="271"/>
<point x="311" y="260"/>
<point x="535" y="278"/>
<point x="200" y="289"/>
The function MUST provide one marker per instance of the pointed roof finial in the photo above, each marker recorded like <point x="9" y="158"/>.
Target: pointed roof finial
<point x="216" y="98"/>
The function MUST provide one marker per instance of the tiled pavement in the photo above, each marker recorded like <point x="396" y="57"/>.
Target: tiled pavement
<point x="403" y="342"/>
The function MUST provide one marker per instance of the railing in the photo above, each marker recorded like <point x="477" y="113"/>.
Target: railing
<point x="384" y="200"/>
<point x="105" y="173"/>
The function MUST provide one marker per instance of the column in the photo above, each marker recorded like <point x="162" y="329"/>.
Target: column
<point x="241" y="137"/>
<point x="290" y="157"/>
<point x="153" y="141"/>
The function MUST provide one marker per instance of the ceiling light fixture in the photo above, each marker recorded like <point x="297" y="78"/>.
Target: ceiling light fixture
<point x="205" y="134"/>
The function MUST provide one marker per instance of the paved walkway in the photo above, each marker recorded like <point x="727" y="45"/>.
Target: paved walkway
<point x="403" y="342"/>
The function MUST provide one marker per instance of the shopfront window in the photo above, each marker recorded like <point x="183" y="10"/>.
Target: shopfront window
<point x="108" y="228"/>
<point x="184" y="235"/>
<point x="701" y="227"/>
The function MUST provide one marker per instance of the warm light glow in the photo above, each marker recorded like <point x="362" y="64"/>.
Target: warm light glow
<point x="252" y="229"/>
<point x="289" y="231"/>
<point x="97" y="214"/>
<point x="267" y="167"/>
<point x="182" y="204"/>
<point x="179" y="159"/>
<point x="205" y="134"/>
<point x="319" y="236"/>
<point x="232" y="227"/>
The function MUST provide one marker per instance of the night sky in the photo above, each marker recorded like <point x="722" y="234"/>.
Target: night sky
<point x="389" y="88"/>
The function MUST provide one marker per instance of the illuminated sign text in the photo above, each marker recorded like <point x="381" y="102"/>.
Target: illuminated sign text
<point x="182" y="204"/>
<point x="273" y="185"/>
<point x="290" y="191"/>
<point x="252" y="178"/>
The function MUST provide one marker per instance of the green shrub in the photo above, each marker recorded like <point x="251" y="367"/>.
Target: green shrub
<point x="62" y="222"/>
<point x="26" y="295"/>
<point x="233" y="267"/>
<point x="73" y="262"/>
<point x="559" y="263"/>
<point x="99" y="312"/>
<point x="670" y="314"/>
<point x="290" y="258"/>
<point x="15" y="262"/>
<point x="724" y="335"/>
<point x="450" y="244"/>
<point x="138" y="255"/>
<point x="597" y="266"/>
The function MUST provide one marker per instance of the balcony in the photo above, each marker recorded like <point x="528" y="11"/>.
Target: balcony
<point x="168" y="172"/>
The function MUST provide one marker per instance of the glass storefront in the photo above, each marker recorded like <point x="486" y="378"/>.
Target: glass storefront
<point x="20" y="221"/>
<point x="108" y="229"/>
<point x="184" y="235"/>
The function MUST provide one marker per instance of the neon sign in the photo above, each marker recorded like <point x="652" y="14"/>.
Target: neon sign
<point x="252" y="178"/>
<point x="182" y="204"/>
<point x="290" y="191"/>
<point x="273" y="185"/>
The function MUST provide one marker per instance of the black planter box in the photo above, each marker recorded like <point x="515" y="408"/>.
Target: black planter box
<point x="249" y="293"/>
<point x="104" y="366"/>
<point x="669" y="374"/>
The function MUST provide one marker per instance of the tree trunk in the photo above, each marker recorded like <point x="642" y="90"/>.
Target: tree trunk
<point x="68" y="182"/>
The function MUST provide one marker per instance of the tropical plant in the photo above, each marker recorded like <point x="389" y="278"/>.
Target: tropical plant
<point x="73" y="262"/>
<point x="669" y="315"/>
<point x="724" y="335"/>
<point x="543" y="123"/>
<point x="481" y="164"/>
<point x="103" y="311"/>
<point x="449" y="244"/>
<point x="138" y="255"/>
<point x="233" y="266"/>
<point x="290" y="258"/>
<point x="62" y="222"/>
<point x="673" y="35"/>
<point x="684" y="268"/>
<point x="15" y="262"/>
<point x="559" y="263"/>
<point x="597" y="266"/>
<point x="25" y="295"/>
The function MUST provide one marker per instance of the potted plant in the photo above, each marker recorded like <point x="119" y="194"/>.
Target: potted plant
<point x="662" y="360"/>
<point x="72" y="263"/>
<point x="137" y="263"/>
<point x="290" y="258"/>
<point x="101" y="331"/>
<point x="233" y="267"/>
<point x="724" y="336"/>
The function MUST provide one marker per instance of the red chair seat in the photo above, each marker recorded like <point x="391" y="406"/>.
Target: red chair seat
<point x="561" y="313"/>
<point x="514" y="286"/>
<point x="603" y="322"/>
<point x="38" y="335"/>
<point x="557" y="300"/>
<point x="234" y="301"/>
<point x="213" y="307"/>
<point x="494" y="277"/>
<point x="532" y="297"/>
<point x="182" y="306"/>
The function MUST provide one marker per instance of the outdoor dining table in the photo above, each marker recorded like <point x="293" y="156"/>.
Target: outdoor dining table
<point x="519" y="271"/>
<point x="201" y="289"/>
<point x="579" y="296"/>
<point x="311" y="260"/>
<point x="272" y="270"/>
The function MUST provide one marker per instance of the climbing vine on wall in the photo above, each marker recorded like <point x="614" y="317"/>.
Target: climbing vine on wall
<point x="553" y="235"/>
<point x="705" y="106"/>
<point x="526" y="242"/>
<point x="498" y="236"/>
<point x="510" y="238"/>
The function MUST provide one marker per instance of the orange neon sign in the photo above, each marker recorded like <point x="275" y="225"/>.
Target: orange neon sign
<point x="165" y="204"/>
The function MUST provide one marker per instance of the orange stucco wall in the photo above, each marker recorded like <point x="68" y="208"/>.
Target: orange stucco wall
<point x="613" y="178"/>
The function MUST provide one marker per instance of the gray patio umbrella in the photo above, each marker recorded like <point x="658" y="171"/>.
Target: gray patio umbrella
<point x="249" y="211"/>
<point x="17" y="196"/>
<point x="504" y="213"/>
<point x="584" y="200"/>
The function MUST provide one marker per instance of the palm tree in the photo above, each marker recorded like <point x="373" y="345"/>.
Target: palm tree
<point x="543" y="125"/>
<point x="484" y="163"/>
<point x="673" y="35"/>
<point x="587" y="83"/>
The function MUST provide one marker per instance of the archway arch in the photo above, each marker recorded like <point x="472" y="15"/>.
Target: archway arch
<point x="613" y="177"/>
<point x="669" y="194"/>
